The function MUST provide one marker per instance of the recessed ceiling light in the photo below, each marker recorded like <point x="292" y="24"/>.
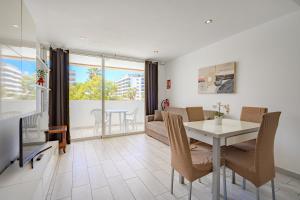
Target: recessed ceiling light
<point x="15" y="25"/>
<point x="82" y="38"/>
<point x="155" y="51"/>
<point x="209" y="21"/>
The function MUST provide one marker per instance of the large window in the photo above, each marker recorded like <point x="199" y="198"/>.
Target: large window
<point x="17" y="81"/>
<point x="124" y="107"/>
<point x="105" y="100"/>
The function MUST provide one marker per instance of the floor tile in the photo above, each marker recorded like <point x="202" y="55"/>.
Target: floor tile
<point x="102" y="194"/>
<point x="82" y="193"/>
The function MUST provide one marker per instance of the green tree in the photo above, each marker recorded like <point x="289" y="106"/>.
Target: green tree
<point x="28" y="86"/>
<point x="111" y="90"/>
<point x="89" y="90"/>
<point x="130" y="94"/>
<point x="94" y="72"/>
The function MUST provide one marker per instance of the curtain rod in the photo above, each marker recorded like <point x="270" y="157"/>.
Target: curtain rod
<point x="106" y="55"/>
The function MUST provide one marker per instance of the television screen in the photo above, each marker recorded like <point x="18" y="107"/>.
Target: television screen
<point x="17" y="81"/>
<point x="32" y="138"/>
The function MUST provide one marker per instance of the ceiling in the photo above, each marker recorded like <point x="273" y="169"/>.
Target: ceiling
<point x="137" y="28"/>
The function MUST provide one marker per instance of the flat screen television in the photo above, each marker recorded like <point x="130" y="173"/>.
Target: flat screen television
<point x="32" y="140"/>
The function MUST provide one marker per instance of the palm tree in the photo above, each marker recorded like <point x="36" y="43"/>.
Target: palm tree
<point x="131" y="93"/>
<point x="94" y="72"/>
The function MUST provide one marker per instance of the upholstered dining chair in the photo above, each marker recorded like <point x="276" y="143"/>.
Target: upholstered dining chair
<point x="249" y="114"/>
<point x="257" y="166"/>
<point x="192" y="165"/>
<point x="195" y="114"/>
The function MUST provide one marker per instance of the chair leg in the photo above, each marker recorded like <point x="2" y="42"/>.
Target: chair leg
<point x="190" y="192"/>
<point x="244" y="183"/>
<point x="181" y="179"/>
<point x="233" y="177"/>
<point x="273" y="189"/>
<point x="257" y="194"/>
<point x="172" y="180"/>
<point x="224" y="182"/>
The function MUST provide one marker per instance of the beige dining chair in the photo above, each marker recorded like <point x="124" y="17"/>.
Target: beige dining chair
<point x="249" y="114"/>
<point x="195" y="114"/>
<point x="192" y="165"/>
<point x="257" y="166"/>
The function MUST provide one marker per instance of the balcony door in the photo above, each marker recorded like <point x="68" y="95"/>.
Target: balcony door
<point x="85" y="94"/>
<point x="124" y="96"/>
<point x="106" y="96"/>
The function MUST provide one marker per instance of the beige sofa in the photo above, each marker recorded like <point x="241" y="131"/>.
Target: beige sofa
<point x="157" y="129"/>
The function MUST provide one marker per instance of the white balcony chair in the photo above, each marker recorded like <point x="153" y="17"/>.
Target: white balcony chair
<point x="130" y="118"/>
<point x="97" y="113"/>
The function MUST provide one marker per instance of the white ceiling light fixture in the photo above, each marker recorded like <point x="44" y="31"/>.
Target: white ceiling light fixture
<point x="15" y="25"/>
<point x="209" y="21"/>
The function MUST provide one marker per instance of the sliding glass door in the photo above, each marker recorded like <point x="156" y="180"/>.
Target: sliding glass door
<point x="107" y="100"/>
<point x="85" y="94"/>
<point x="124" y="96"/>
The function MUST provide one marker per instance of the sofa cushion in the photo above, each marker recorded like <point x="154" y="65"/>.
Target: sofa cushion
<point x="158" y="116"/>
<point x="158" y="127"/>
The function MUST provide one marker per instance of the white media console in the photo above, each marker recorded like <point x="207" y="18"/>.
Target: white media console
<point x="30" y="184"/>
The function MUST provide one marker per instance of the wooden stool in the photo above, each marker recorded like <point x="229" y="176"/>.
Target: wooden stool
<point x="59" y="130"/>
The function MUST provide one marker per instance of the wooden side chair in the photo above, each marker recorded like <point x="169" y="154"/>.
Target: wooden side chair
<point x="257" y="166"/>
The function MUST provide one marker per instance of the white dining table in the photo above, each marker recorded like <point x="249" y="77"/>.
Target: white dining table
<point x="228" y="133"/>
<point x="123" y="112"/>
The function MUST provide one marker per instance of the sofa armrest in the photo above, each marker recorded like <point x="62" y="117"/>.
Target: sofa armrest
<point x="149" y="118"/>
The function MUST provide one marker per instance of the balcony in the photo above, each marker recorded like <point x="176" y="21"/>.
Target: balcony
<point x="85" y="124"/>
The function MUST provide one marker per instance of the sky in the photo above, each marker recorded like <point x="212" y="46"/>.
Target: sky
<point x="110" y="74"/>
<point x="29" y="67"/>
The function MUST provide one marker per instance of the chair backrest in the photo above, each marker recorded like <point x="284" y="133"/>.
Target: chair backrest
<point x="180" y="150"/>
<point x="180" y="111"/>
<point x="97" y="114"/>
<point x="264" y="155"/>
<point x="195" y="114"/>
<point x="253" y="114"/>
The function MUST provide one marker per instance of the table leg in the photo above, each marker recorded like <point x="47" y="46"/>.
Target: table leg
<point x="120" y="121"/>
<point x="109" y="123"/>
<point x="125" y="123"/>
<point x="216" y="169"/>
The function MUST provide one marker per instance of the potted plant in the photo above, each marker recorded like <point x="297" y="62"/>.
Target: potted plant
<point x="40" y="73"/>
<point x="218" y="114"/>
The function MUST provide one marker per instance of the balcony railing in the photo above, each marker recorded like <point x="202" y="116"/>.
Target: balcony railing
<point x="84" y="124"/>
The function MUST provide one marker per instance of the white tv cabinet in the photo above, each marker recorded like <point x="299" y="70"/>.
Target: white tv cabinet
<point x="30" y="184"/>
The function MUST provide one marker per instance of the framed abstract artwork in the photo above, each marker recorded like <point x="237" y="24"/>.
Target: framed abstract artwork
<point x="217" y="79"/>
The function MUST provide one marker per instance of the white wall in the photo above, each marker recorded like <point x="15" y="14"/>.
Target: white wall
<point x="268" y="71"/>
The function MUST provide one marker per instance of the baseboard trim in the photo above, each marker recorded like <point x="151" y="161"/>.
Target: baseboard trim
<point x="106" y="136"/>
<point x="122" y="134"/>
<point x="287" y="173"/>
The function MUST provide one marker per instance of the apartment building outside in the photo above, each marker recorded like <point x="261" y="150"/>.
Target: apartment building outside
<point x="11" y="80"/>
<point x="131" y="82"/>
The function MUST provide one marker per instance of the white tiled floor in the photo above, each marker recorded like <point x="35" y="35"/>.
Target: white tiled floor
<point x="78" y="133"/>
<point x="138" y="167"/>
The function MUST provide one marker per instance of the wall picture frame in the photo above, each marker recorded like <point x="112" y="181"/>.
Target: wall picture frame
<point x="217" y="79"/>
